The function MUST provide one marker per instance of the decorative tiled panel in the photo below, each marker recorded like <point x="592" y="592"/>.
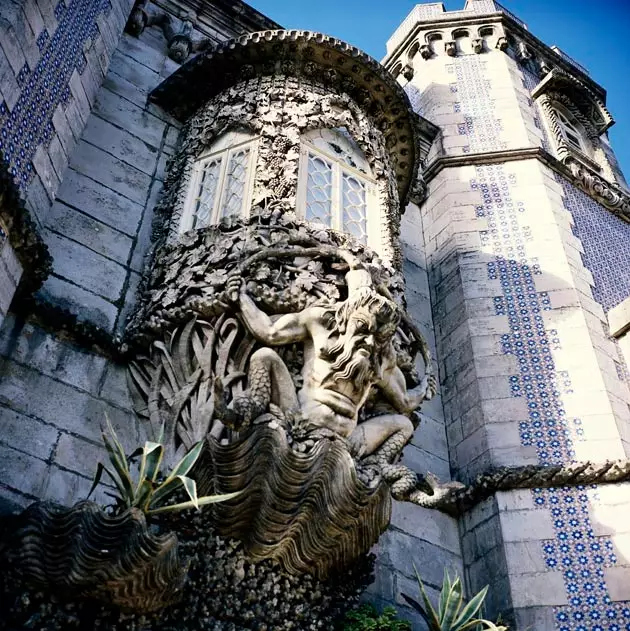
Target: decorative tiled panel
<point x="575" y="551"/>
<point x="606" y="241"/>
<point x="470" y="88"/>
<point x="29" y="124"/>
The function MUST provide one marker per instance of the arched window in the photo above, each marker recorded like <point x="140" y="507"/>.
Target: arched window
<point x="221" y="181"/>
<point x="336" y="188"/>
<point x="570" y="129"/>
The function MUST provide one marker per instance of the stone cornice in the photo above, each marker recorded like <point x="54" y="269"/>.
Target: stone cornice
<point x="315" y="57"/>
<point x="612" y="197"/>
<point x="546" y="55"/>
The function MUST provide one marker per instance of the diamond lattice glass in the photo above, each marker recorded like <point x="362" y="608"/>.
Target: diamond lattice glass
<point x="319" y="191"/>
<point x="236" y="178"/>
<point x="354" y="207"/>
<point x="208" y="184"/>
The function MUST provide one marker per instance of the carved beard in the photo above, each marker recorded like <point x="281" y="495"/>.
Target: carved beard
<point x="348" y="365"/>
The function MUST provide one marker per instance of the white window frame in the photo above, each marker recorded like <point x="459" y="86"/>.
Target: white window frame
<point x="568" y="128"/>
<point x="223" y="148"/>
<point x="339" y="168"/>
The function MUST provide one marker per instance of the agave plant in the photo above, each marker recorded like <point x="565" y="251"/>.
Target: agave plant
<point x="148" y="494"/>
<point x="453" y="614"/>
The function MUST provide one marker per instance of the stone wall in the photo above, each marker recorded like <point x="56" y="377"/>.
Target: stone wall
<point x="418" y="536"/>
<point x="528" y="373"/>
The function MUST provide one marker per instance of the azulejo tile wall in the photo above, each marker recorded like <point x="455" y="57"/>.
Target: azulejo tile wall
<point x="29" y="124"/>
<point x="606" y="242"/>
<point x="471" y="89"/>
<point x="575" y="551"/>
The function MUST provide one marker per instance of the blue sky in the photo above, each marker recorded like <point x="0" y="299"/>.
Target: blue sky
<point x="593" y="33"/>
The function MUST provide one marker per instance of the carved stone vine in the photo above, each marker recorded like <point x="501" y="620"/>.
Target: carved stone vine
<point x="278" y="111"/>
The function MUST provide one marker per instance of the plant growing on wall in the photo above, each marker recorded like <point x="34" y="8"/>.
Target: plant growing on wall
<point x="453" y="614"/>
<point x="367" y="618"/>
<point x="151" y="492"/>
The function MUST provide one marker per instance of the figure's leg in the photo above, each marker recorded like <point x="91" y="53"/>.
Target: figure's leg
<point x="269" y="381"/>
<point x="387" y="434"/>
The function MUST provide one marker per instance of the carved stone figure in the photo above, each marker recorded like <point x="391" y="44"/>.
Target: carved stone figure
<point x="347" y="350"/>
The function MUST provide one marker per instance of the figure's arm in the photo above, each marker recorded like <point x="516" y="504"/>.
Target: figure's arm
<point x="394" y="387"/>
<point x="287" y="329"/>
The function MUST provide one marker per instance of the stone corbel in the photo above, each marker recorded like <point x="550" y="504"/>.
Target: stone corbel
<point x="502" y="43"/>
<point x="450" y="48"/>
<point x="477" y="44"/>
<point x="545" y="67"/>
<point x="522" y="52"/>
<point x="425" y="51"/>
<point x="407" y="72"/>
<point x="179" y="38"/>
<point x="178" y="32"/>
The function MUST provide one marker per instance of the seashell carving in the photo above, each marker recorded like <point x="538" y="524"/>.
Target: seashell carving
<point x="309" y="510"/>
<point x="83" y="552"/>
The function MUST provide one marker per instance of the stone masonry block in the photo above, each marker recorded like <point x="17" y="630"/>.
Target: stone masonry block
<point x="526" y="525"/>
<point x="93" y="234"/>
<point x="22" y="472"/>
<point x="121" y="144"/>
<point x="426" y="524"/>
<point x="31" y="346"/>
<point x="138" y="74"/>
<point x="126" y="115"/>
<point x="535" y="590"/>
<point x="29" y="392"/>
<point x="111" y="172"/>
<point x="86" y="268"/>
<point x="401" y="551"/>
<point x="79" y="455"/>
<point x="141" y="52"/>
<point x="84" y="304"/>
<point x="27" y="434"/>
<point x="100" y="202"/>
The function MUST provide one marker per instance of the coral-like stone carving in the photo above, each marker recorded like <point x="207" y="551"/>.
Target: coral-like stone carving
<point x="299" y="333"/>
<point x="82" y="552"/>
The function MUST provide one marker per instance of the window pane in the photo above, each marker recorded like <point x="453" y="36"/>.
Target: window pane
<point x="235" y="180"/>
<point x="319" y="191"/>
<point x="206" y="196"/>
<point x="354" y="207"/>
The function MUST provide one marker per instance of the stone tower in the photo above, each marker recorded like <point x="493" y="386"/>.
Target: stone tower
<point x="525" y="229"/>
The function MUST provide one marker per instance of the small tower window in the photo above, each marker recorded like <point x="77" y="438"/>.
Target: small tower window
<point x="336" y="188"/>
<point x="221" y="182"/>
<point x="570" y="130"/>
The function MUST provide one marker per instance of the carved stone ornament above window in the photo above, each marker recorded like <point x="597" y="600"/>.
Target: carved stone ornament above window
<point x="311" y="56"/>
<point x="589" y="104"/>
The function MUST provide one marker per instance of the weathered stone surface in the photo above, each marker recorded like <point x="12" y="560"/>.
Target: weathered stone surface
<point x="111" y="172"/>
<point x="121" y="144"/>
<point x="86" y="268"/>
<point x="27" y="434"/>
<point x="100" y="202"/>
<point x="95" y="235"/>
